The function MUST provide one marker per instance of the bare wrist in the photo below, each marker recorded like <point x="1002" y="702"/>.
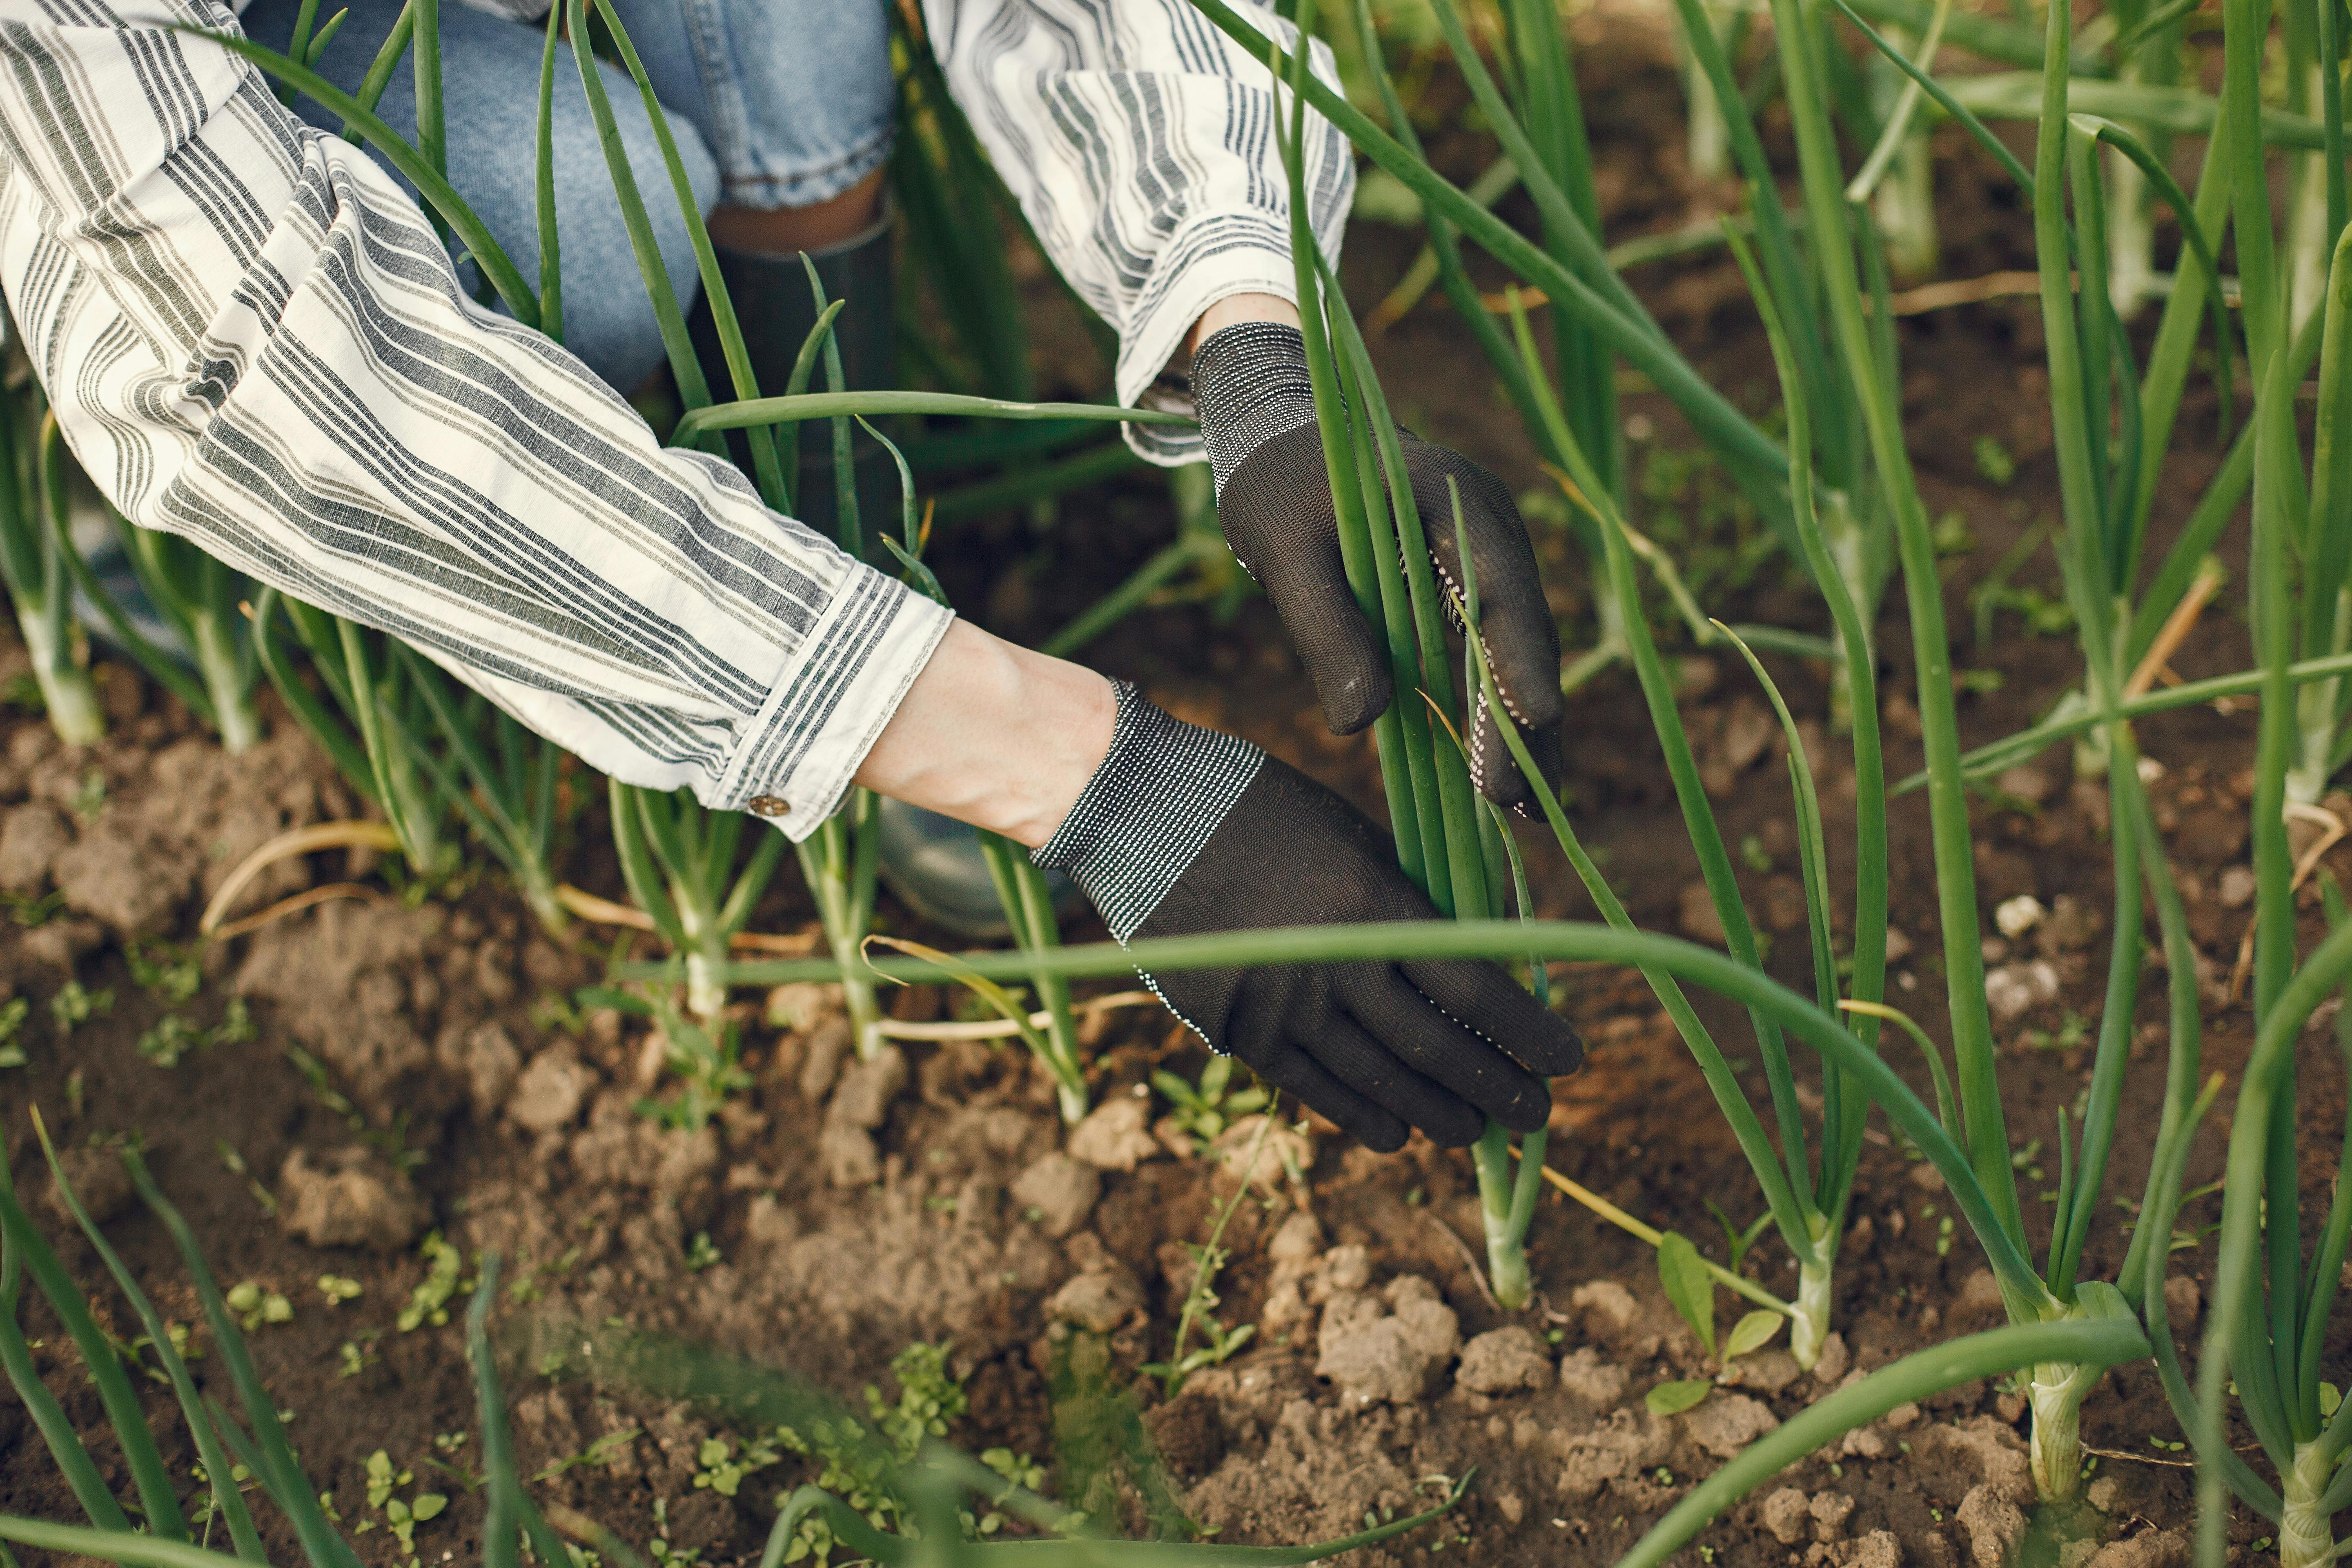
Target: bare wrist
<point x="995" y="735"/>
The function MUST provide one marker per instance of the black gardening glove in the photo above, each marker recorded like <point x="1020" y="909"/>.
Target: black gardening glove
<point x="1183" y="831"/>
<point x="1257" y="420"/>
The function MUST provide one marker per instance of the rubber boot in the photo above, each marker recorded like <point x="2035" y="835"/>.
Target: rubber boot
<point x="776" y="311"/>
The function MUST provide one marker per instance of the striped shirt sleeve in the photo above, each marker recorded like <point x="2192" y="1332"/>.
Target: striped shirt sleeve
<point x="1140" y="143"/>
<point x="252" y="338"/>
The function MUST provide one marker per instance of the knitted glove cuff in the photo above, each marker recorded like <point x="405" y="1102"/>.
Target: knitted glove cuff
<point x="1250" y="385"/>
<point x="1162" y="790"/>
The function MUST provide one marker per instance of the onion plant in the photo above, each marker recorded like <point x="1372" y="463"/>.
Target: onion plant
<point x="369" y="722"/>
<point x="680" y="862"/>
<point x="33" y="562"/>
<point x="1020" y="886"/>
<point x="2088" y="1339"/>
<point x="931" y="1490"/>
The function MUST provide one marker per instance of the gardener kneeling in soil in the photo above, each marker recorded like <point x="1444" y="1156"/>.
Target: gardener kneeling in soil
<point x="252" y="337"/>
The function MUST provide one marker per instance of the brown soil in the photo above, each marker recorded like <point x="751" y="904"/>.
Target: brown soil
<point x="858" y="1211"/>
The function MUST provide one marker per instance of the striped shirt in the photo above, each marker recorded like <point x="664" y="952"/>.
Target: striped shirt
<point x="252" y="338"/>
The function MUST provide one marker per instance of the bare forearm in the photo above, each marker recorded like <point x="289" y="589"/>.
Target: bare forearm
<point x="993" y="734"/>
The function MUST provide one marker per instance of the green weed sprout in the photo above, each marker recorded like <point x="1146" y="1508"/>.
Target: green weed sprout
<point x="32" y="561"/>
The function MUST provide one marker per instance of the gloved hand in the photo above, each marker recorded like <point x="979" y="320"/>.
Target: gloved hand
<point x="1257" y="419"/>
<point x="1183" y="831"/>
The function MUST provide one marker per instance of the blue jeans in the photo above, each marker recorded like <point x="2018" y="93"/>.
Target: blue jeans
<point x="772" y="103"/>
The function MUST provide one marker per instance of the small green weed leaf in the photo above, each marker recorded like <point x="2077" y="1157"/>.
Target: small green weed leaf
<point x="1685" y="1276"/>
<point x="428" y="1505"/>
<point x="2330" y="1396"/>
<point x="1674" y="1398"/>
<point x="1752" y="1332"/>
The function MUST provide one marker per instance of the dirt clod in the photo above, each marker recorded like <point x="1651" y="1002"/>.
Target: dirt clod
<point x="31" y="838"/>
<point x="827" y="1049"/>
<point x="1786" y="1513"/>
<point x="1598" y="1383"/>
<point x="1994" y="1526"/>
<point x="1098" y="1298"/>
<point x="867" y="1087"/>
<point x="1187" y="1433"/>
<point x="348" y="1197"/>
<point x="1116" y="1135"/>
<point x="2158" y="1549"/>
<point x="1728" y="1423"/>
<point x="1387" y="1348"/>
<point x="1509" y="1359"/>
<point x="1061" y="1190"/>
<point x="551" y="1090"/>
<point x="485" y="1058"/>
<point x="98" y="1179"/>
<point x="115" y="874"/>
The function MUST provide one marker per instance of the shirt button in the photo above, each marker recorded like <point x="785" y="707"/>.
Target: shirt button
<point x="768" y="805"/>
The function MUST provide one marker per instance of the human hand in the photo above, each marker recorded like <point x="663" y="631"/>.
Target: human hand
<point x="1184" y="831"/>
<point x="1257" y="419"/>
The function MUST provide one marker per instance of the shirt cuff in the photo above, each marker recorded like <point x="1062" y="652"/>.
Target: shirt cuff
<point x="1212" y="258"/>
<point x="831" y="700"/>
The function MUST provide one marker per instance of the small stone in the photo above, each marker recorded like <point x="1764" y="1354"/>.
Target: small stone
<point x="1925" y="1177"/>
<point x="1994" y="1526"/>
<point x="1898" y="946"/>
<point x="1785" y="1516"/>
<point x="2104" y="1493"/>
<point x="349" y="1198"/>
<point x="1062" y="1191"/>
<point x="98" y="1180"/>
<point x="866" y="1088"/>
<point x="1511" y="1505"/>
<point x="1728" y="1422"/>
<point x="2182" y="1300"/>
<point x="1116" y="1135"/>
<point x="2019" y="915"/>
<point x="551" y="1090"/>
<point x="1598" y="1383"/>
<point x="1506" y="1360"/>
<point x="1099" y="1300"/>
<point x="2237" y="886"/>
<point x="847" y="1151"/>
<point x="2026" y="781"/>
<point x="2014" y="989"/>
<point x="1829" y="1366"/>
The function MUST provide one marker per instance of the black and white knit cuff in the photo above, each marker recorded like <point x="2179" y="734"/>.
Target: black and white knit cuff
<point x="1250" y="385"/>
<point x="1160" y="792"/>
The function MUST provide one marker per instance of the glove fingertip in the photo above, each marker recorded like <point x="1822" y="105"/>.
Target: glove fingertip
<point x="1552" y="1048"/>
<point x="1352" y="700"/>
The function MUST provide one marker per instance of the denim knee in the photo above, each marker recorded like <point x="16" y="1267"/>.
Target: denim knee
<point x="794" y="98"/>
<point x="490" y="80"/>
